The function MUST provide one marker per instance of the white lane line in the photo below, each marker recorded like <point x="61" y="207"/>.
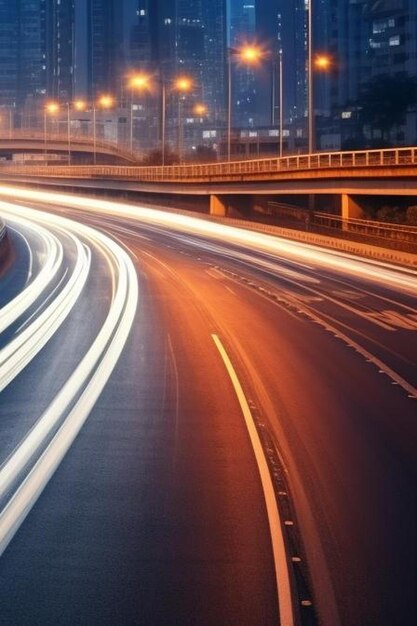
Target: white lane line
<point x="286" y="614"/>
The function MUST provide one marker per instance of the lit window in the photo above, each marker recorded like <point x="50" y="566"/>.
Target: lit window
<point x="394" y="41"/>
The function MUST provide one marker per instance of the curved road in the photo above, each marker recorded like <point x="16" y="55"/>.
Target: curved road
<point x="251" y="458"/>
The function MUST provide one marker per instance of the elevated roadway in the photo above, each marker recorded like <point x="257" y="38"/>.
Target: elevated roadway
<point x="343" y="174"/>
<point x="36" y="142"/>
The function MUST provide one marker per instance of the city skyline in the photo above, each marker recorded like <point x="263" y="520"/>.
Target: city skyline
<point x="82" y="49"/>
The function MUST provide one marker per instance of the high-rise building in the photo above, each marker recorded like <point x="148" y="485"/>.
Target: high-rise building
<point x="105" y="62"/>
<point x="59" y="48"/>
<point x="36" y="50"/>
<point x="368" y="39"/>
<point x="282" y="26"/>
<point x="243" y="31"/>
<point x="9" y="47"/>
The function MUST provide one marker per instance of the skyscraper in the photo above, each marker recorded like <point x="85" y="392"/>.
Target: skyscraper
<point x="36" y="50"/>
<point x="368" y="39"/>
<point x="243" y="31"/>
<point x="105" y="63"/>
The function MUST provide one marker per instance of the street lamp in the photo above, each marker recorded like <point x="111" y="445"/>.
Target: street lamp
<point x="51" y="108"/>
<point x="138" y="82"/>
<point x="77" y="105"/>
<point x="200" y="110"/>
<point x="250" y="55"/>
<point x="322" y="63"/>
<point x="104" y="102"/>
<point x="182" y="85"/>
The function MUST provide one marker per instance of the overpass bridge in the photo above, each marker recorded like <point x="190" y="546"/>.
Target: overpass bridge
<point x="81" y="147"/>
<point x="346" y="175"/>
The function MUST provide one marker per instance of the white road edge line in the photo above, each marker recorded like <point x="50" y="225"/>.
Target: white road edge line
<point x="286" y="613"/>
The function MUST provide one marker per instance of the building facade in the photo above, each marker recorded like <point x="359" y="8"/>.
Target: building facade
<point x="369" y="38"/>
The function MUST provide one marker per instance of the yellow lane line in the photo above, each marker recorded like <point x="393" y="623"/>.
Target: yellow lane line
<point x="286" y="614"/>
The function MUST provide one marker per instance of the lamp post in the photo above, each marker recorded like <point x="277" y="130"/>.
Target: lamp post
<point x="182" y="85"/>
<point x="281" y="104"/>
<point x="138" y="82"/>
<point x="322" y="63"/>
<point x="163" y="119"/>
<point x="69" y="131"/>
<point x="105" y="102"/>
<point x="77" y="105"/>
<point x="249" y="55"/>
<point x="310" y="79"/>
<point x="50" y="108"/>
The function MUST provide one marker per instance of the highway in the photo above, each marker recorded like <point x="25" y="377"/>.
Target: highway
<point x="201" y="424"/>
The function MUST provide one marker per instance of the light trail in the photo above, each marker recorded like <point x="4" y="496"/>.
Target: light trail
<point x="72" y="405"/>
<point x="27" y="344"/>
<point x="52" y="261"/>
<point x="378" y="272"/>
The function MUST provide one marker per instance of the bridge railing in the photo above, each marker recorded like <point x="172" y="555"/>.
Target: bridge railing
<point x="370" y="228"/>
<point x="235" y="170"/>
<point x="62" y="137"/>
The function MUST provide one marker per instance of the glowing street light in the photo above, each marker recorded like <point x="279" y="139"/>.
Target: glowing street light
<point x="250" y="55"/>
<point x="200" y="109"/>
<point x="51" y="108"/>
<point x="183" y="85"/>
<point x="321" y="62"/>
<point x="137" y="82"/>
<point x="104" y="102"/>
<point x="80" y="105"/>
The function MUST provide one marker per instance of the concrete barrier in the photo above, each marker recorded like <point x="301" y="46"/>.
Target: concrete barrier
<point x="352" y="247"/>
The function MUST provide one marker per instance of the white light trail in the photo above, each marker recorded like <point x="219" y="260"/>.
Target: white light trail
<point x="378" y="272"/>
<point x="52" y="255"/>
<point x="72" y="405"/>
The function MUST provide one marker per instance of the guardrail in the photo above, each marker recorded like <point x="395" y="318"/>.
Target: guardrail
<point x="237" y="170"/>
<point x="371" y="229"/>
<point x="28" y="135"/>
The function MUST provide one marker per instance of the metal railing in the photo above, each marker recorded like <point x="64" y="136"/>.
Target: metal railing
<point x="370" y="228"/>
<point x="62" y="137"/>
<point x="236" y="170"/>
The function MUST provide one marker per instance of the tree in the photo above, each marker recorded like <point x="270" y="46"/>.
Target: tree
<point x="204" y="154"/>
<point x="154" y="157"/>
<point x="384" y="102"/>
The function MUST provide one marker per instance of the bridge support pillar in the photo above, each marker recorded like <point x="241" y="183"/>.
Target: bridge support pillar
<point x="350" y="208"/>
<point x="218" y="206"/>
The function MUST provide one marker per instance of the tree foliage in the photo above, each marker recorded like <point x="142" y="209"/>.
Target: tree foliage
<point x="385" y="100"/>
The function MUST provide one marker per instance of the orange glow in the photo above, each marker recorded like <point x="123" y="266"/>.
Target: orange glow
<point x="250" y="54"/>
<point x="139" y="81"/>
<point x="200" y="109"/>
<point x="80" y="105"/>
<point x="52" y="107"/>
<point x="106" y="102"/>
<point x="183" y="84"/>
<point x="322" y="62"/>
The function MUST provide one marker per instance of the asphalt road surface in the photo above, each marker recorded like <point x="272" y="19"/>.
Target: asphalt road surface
<point x="201" y="425"/>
